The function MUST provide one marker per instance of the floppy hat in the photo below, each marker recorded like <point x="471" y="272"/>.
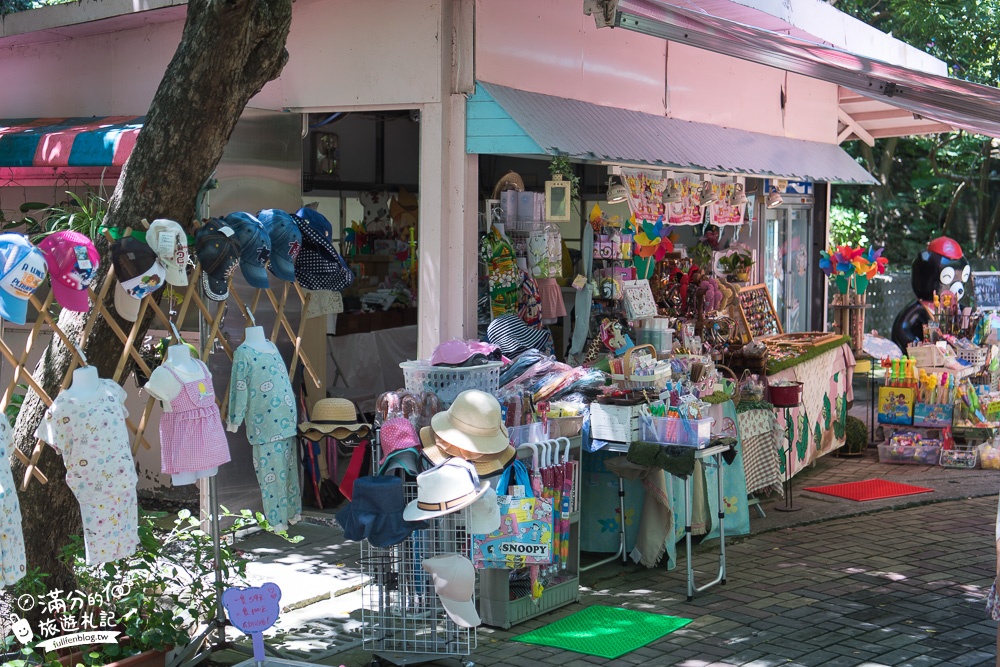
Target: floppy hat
<point x="218" y="252"/>
<point x="72" y="260"/>
<point x="484" y="514"/>
<point x="474" y="422"/>
<point x="513" y="336"/>
<point x="168" y="239"/>
<point x="444" y="489"/>
<point x="333" y="416"/>
<point x="375" y="512"/>
<point x="139" y="273"/>
<point x="435" y="452"/>
<point x="408" y="460"/>
<point x="454" y="579"/>
<point x="22" y="270"/>
<point x="464" y="353"/>
<point x="319" y="265"/>
<point x="395" y="434"/>
<point x="286" y="242"/>
<point x="255" y="247"/>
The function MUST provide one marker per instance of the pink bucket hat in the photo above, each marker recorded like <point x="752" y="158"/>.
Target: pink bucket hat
<point x="72" y="261"/>
<point x="396" y="434"/>
<point x="457" y="352"/>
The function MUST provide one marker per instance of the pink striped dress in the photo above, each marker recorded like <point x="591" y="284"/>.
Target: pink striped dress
<point x="191" y="435"/>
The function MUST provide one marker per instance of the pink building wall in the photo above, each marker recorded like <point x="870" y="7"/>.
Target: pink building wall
<point x="552" y="47"/>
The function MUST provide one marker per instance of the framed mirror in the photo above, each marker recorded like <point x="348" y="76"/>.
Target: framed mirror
<point x="557" y="201"/>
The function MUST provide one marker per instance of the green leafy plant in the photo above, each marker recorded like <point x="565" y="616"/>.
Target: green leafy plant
<point x="561" y="166"/>
<point x="80" y="214"/>
<point x="159" y="595"/>
<point x="16" y="401"/>
<point x="736" y="262"/>
<point x="701" y="254"/>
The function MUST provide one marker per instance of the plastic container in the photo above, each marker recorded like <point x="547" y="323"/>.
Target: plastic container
<point x="926" y="356"/>
<point x="785" y="396"/>
<point x="447" y="383"/>
<point x="921" y="455"/>
<point x="533" y="432"/>
<point x="959" y="458"/>
<point x="975" y="356"/>
<point x="695" y="433"/>
<point x="565" y="427"/>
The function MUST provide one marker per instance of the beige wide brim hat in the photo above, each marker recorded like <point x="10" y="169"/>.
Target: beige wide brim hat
<point x="485" y="465"/>
<point x="336" y="417"/>
<point x="473" y="423"/>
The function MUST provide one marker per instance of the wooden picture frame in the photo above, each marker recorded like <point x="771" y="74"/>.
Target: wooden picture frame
<point x="558" y="201"/>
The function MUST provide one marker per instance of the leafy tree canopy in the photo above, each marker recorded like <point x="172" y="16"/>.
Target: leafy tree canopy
<point x="937" y="184"/>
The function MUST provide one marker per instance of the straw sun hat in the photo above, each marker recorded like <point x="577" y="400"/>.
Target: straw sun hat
<point x="336" y="417"/>
<point x="471" y="429"/>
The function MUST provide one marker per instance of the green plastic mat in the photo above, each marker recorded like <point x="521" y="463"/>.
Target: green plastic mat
<point x="607" y="632"/>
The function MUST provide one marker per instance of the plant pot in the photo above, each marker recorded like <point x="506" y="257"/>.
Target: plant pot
<point x="145" y="659"/>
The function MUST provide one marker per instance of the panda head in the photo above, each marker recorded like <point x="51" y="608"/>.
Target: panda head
<point x="940" y="268"/>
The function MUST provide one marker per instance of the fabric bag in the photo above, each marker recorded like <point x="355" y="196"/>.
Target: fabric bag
<point x="639" y="301"/>
<point x="526" y="526"/>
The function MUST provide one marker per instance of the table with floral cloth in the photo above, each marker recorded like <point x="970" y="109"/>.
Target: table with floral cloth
<point x="819" y="425"/>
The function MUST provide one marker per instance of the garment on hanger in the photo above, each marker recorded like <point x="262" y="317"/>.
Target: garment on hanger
<point x="502" y="272"/>
<point x="12" y="561"/>
<point x="261" y="395"/>
<point x="192" y="441"/>
<point x="89" y="432"/>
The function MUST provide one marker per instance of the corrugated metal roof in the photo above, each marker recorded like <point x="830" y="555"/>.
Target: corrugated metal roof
<point x="591" y="132"/>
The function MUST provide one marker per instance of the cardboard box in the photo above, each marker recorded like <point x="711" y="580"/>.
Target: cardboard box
<point x="934" y="415"/>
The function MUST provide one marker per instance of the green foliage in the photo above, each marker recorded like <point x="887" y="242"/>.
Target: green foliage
<point x="847" y="227"/>
<point x="736" y="262"/>
<point x="857" y="435"/>
<point x="12" y="6"/>
<point x="937" y="184"/>
<point x="560" y="164"/>
<point x="80" y="214"/>
<point x="701" y="254"/>
<point x="16" y="401"/>
<point x="160" y="594"/>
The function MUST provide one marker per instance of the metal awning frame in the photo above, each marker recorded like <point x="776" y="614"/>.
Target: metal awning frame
<point x="952" y="103"/>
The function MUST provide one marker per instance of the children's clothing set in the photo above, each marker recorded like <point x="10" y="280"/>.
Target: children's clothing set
<point x="192" y="441"/>
<point x="261" y="395"/>
<point x="12" y="561"/>
<point x="89" y="432"/>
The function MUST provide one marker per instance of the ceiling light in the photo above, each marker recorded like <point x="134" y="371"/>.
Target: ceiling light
<point x="616" y="190"/>
<point x="671" y="193"/>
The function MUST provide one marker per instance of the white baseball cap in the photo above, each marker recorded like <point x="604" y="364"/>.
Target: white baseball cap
<point x="454" y="579"/>
<point x="168" y="240"/>
<point x="484" y="514"/>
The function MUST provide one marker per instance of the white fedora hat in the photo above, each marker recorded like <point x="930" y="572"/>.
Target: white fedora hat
<point x="474" y="422"/>
<point x="444" y="489"/>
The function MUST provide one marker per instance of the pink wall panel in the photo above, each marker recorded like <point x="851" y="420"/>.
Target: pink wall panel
<point x="551" y="47"/>
<point x="811" y="112"/>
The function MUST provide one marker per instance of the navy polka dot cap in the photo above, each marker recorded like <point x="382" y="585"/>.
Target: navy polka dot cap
<point x="319" y="266"/>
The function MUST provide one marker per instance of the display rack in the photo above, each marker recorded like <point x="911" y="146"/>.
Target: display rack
<point x="495" y="604"/>
<point x="756" y="311"/>
<point x="403" y="620"/>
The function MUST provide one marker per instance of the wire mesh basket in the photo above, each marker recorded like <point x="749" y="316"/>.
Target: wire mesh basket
<point x="447" y="383"/>
<point x="401" y="613"/>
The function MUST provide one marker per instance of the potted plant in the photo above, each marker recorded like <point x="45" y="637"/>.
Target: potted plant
<point x="561" y="169"/>
<point x="737" y="264"/>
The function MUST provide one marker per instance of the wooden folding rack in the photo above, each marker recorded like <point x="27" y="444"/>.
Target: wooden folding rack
<point x="191" y="297"/>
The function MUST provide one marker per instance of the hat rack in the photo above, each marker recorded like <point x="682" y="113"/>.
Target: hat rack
<point x="191" y="297"/>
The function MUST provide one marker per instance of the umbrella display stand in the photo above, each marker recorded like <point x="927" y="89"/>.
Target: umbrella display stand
<point x="554" y="461"/>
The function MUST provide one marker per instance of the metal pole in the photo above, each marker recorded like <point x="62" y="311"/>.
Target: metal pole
<point x="789" y="504"/>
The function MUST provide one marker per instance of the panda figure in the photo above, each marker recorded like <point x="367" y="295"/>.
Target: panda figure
<point x="940" y="268"/>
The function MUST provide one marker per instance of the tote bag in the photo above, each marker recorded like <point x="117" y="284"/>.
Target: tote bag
<point x="525" y="533"/>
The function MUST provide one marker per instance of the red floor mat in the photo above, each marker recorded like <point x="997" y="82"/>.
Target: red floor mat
<point x="870" y="489"/>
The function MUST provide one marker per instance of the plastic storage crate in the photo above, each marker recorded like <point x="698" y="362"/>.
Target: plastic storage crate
<point x="619" y="423"/>
<point x="921" y="455"/>
<point x="695" y="433"/>
<point x="975" y="355"/>
<point x="447" y="383"/>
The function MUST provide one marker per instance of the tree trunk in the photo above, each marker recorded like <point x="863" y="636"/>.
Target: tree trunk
<point x="228" y="51"/>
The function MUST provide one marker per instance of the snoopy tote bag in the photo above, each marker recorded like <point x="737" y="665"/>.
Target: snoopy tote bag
<point x="525" y="533"/>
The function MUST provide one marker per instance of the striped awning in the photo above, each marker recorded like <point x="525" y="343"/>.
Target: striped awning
<point x="68" y="142"/>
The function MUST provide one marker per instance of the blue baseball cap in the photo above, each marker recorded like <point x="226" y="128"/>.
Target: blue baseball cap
<point x="255" y="247"/>
<point x="22" y="271"/>
<point x="286" y="241"/>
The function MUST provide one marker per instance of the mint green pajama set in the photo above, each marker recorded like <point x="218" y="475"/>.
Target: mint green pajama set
<point x="261" y="396"/>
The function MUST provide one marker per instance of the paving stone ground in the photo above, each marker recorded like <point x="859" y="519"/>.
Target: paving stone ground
<point x="892" y="583"/>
